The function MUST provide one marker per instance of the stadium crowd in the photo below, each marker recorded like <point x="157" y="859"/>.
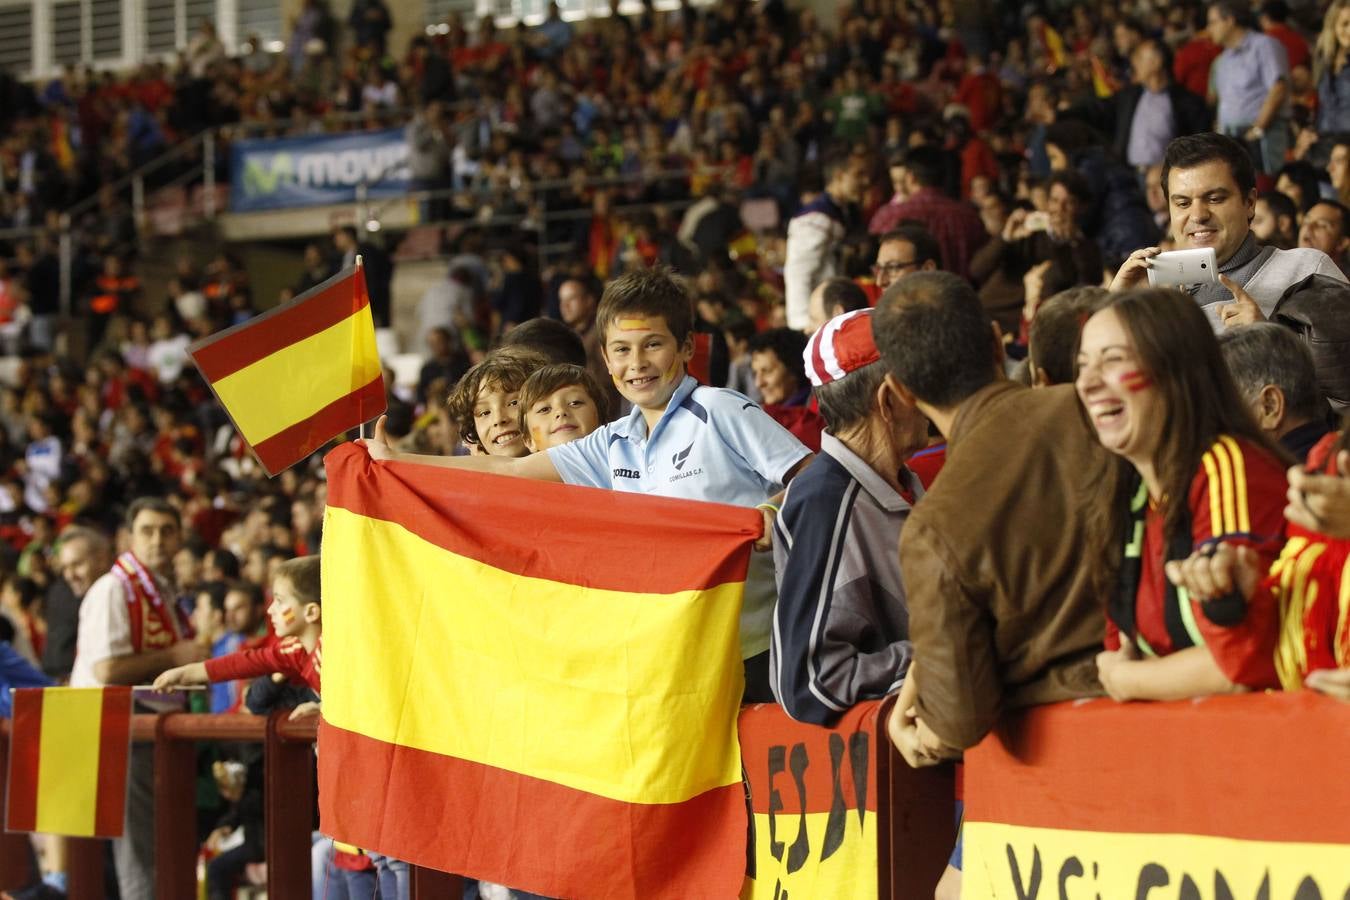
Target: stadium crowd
<point x="950" y="164"/>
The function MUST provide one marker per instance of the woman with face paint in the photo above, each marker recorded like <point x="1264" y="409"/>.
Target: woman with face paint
<point x="1190" y="469"/>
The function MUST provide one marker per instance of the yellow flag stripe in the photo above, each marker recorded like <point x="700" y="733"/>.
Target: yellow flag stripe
<point x="1244" y="522"/>
<point x="640" y="667"/>
<point x="849" y="872"/>
<point x="999" y="859"/>
<point x="68" y="761"/>
<point x="297" y="381"/>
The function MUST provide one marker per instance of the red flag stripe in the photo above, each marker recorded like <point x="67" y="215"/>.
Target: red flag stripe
<point x="223" y="354"/>
<point x="21" y="809"/>
<point x="699" y="845"/>
<point x="292" y="444"/>
<point x="1221" y="768"/>
<point x="609" y="548"/>
<point x="113" y="750"/>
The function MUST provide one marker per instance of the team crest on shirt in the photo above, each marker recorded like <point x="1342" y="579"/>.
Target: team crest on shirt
<point x="679" y="460"/>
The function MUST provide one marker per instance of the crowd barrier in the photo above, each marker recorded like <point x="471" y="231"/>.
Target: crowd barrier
<point x="910" y="850"/>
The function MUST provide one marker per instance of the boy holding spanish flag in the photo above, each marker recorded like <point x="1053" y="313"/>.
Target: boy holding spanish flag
<point x="681" y="439"/>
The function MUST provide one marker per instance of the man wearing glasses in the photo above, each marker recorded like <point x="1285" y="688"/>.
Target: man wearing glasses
<point x="909" y="248"/>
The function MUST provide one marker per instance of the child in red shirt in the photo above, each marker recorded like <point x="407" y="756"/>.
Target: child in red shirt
<point x="297" y="619"/>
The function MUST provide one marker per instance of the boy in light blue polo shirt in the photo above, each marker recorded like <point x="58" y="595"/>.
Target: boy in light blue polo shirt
<point x="680" y="440"/>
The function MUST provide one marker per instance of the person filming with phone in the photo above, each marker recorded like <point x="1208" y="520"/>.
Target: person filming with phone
<point x="1210" y="185"/>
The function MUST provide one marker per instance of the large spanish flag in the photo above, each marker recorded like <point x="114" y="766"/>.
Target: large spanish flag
<point x="532" y="683"/>
<point x="296" y="376"/>
<point x="1226" y="797"/>
<point x="68" y="761"/>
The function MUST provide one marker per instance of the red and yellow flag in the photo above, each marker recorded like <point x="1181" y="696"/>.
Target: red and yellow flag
<point x="1224" y="797"/>
<point x="532" y="683"/>
<point x="298" y="375"/>
<point x="68" y="761"/>
<point x="813" y="792"/>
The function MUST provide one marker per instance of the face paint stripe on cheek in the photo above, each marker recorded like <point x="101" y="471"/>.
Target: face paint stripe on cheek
<point x="1136" y="381"/>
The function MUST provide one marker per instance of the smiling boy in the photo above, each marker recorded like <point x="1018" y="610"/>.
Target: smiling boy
<point x="486" y="403"/>
<point x="559" y="404"/>
<point x="680" y="440"/>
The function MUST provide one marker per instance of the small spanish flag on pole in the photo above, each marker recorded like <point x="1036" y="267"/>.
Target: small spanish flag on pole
<point x="68" y="761"/>
<point x="301" y="374"/>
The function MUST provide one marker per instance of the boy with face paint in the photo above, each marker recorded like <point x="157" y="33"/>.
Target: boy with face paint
<point x="297" y="619"/>
<point x="680" y="440"/>
<point x="559" y="404"/>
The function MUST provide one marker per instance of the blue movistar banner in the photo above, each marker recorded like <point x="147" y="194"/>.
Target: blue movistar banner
<point x="317" y="169"/>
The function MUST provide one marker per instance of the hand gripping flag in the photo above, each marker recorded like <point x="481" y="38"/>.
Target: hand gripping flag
<point x="68" y="761"/>
<point x="296" y="376"/>
<point x="532" y="683"/>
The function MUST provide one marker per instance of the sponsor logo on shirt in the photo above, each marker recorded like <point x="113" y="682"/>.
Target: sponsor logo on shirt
<point x="626" y="473"/>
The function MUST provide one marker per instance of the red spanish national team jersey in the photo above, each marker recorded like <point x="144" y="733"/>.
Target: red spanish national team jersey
<point x="1311" y="585"/>
<point x="1238" y="496"/>
<point x="287" y="656"/>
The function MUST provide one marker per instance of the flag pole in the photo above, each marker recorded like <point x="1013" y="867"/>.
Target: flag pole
<point x="362" y="430"/>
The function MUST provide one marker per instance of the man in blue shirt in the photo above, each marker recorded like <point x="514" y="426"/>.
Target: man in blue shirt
<point x="1250" y="83"/>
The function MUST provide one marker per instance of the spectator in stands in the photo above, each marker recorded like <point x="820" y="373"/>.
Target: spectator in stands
<point x="1331" y="72"/>
<point x="815" y="236"/>
<point x="1274" y="221"/>
<point x="1192" y="468"/>
<point x="370" y="23"/>
<point x="955" y="225"/>
<point x="1324" y="228"/>
<point x="577" y="305"/>
<point x="907" y="248"/>
<point x="780" y="377"/>
<point x="1314" y="640"/>
<point x="1300" y="182"/>
<point x="82" y="554"/>
<point x="1273" y="17"/>
<point x="430" y="149"/>
<point x="242" y="625"/>
<point x="841" y="631"/>
<point x="1110" y="207"/>
<point x="1053" y="334"/>
<point x="1032" y="593"/>
<point x="1274" y="373"/>
<point x="1211" y="189"/>
<point x="446" y="362"/>
<point x="1251" y="83"/>
<point x="130" y="632"/>
<point x="836" y="296"/>
<point x="379" y="270"/>
<point x="1153" y="110"/>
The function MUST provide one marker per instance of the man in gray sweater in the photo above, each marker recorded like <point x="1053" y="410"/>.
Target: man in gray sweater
<point x="1210" y="185"/>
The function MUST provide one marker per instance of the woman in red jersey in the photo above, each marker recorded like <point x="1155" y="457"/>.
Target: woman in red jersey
<point x="1192" y="469"/>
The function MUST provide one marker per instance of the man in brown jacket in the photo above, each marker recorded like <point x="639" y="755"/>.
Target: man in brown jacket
<point x="1002" y="613"/>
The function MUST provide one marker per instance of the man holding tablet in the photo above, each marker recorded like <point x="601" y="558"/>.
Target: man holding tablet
<point x="1210" y="185"/>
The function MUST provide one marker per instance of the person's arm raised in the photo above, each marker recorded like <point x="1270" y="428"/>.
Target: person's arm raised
<point x="537" y="465"/>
